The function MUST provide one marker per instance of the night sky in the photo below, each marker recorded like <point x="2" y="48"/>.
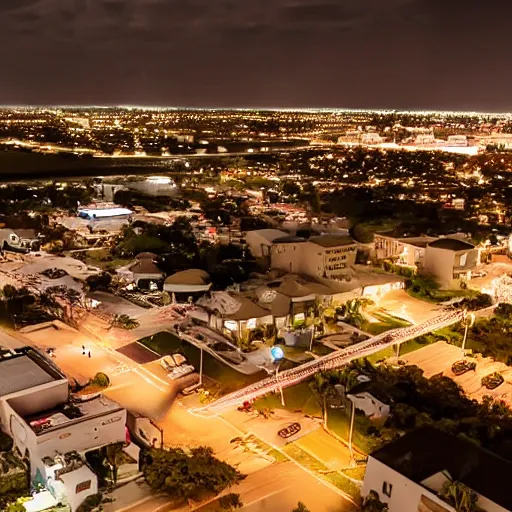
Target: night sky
<point x="442" y="54"/>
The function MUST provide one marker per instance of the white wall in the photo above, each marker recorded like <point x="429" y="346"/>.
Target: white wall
<point x="85" y="434"/>
<point x="312" y="259"/>
<point x="288" y="257"/>
<point x="23" y="436"/>
<point x="405" y="494"/>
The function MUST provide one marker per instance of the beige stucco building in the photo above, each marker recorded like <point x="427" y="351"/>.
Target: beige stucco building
<point x="450" y="260"/>
<point x="409" y="252"/>
<point x="319" y="256"/>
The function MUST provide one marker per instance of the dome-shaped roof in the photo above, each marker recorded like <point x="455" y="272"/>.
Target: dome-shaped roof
<point x="146" y="256"/>
<point x="191" y="276"/>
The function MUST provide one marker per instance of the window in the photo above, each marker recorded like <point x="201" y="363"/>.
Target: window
<point x="387" y="488"/>
<point x="84" y="486"/>
<point x="463" y="259"/>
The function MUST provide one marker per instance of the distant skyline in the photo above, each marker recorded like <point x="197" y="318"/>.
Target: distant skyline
<point x="366" y="54"/>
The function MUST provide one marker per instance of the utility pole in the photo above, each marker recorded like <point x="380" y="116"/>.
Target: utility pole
<point x="469" y="320"/>
<point x="201" y="368"/>
<point x="280" y="387"/>
<point x="351" y="432"/>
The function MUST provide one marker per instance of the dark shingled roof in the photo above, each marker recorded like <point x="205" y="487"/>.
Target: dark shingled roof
<point x="332" y="240"/>
<point x="289" y="239"/>
<point x="427" y="451"/>
<point x="451" y="244"/>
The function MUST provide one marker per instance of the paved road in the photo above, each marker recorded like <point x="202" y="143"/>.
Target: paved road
<point x="276" y="488"/>
<point x="280" y="487"/>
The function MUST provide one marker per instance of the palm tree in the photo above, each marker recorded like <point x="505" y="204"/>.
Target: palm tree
<point x="372" y="503"/>
<point x="123" y="321"/>
<point x="113" y="458"/>
<point x="352" y="309"/>
<point x="459" y="496"/>
<point x="322" y="388"/>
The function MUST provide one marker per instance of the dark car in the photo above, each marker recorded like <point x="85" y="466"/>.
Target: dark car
<point x="289" y="431"/>
<point x="462" y="367"/>
<point x="493" y="380"/>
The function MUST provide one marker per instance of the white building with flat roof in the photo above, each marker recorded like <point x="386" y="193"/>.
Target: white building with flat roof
<point x="52" y="431"/>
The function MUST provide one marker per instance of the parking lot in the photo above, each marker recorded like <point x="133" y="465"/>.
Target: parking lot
<point x="439" y="357"/>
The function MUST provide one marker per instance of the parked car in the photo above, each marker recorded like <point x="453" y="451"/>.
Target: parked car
<point x="289" y="431"/>
<point x="493" y="380"/>
<point x="168" y="363"/>
<point x="181" y="371"/>
<point x="462" y="367"/>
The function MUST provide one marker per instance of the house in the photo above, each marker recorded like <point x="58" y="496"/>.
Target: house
<point x="260" y="241"/>
<point x="143" y="270"/>
<point x="409" y="473"/>
<point x="363" y="400"/>
<point x="406" y="251"/>
<point x="234" y="313"/>
<point x="287" y="299"/>
<point x="104" y="213"/>
<point x="19" y="240"/>
<point x="192" y="283"/>
<point x="450" y="259"/>
<point x="324" y="256"/>
<point x="53" y="433"/>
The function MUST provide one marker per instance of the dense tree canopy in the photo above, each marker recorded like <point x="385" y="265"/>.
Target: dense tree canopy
<point x="185" y="475"/>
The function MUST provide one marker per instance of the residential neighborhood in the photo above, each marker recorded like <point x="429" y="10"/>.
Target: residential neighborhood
<point x="233" y="335"/>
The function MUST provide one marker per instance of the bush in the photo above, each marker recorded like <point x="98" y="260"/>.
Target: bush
<point x="504" y="310"/>
<point x="90" y="503"/>
<point x="101" y="379"/>
<point x="480" y="301"/>
<point x="230" y="501"/>
<point x="6" y="442"/>
<point x="360" y="234"/>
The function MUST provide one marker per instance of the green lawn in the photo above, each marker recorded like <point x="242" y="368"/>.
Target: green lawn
<point x="334" y="477"/>
<point x="441" y="295"/>
<point x="320" y="349"/>
<point x="405" y="348"/>
<point x="339" y="422"/>
<point x="386" y="322"/>
<point x="228" y="379"/>
<point x="299" y="355"/>
<point x="297" y="398"/>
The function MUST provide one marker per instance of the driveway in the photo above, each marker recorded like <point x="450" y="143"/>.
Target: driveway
<point x="114" y="305"/>
<point x="399" y="303"/>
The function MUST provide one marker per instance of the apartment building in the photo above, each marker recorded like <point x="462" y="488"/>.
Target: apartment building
<point x="450" y="260"/>
<point x="407" y="251"/>
<point x="320" y="256"/>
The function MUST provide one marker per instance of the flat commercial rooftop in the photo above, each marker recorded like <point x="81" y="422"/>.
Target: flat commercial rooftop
<point x="20" y="373"/>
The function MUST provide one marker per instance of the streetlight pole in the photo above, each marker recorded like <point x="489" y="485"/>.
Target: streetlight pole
<point x="351" y="433"/>
<point x="469" y="320"/>
<point x="280" y="387"/>
<point x="201" y="368"/>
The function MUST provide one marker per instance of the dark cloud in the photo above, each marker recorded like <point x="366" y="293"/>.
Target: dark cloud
<point x="15" y="5"/>
<point x="357" y="53"/>
<point x="117" y="8"/>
